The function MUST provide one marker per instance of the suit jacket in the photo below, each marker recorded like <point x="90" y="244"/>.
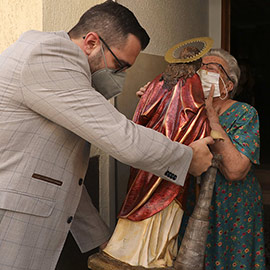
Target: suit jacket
<point x="49" y="115"/>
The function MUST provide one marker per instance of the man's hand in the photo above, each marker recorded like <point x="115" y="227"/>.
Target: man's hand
<point x="202" y="156"/>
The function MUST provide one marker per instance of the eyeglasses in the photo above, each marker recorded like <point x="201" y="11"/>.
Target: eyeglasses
<point x="122" y="65"/>
<point x="212" y="67"/>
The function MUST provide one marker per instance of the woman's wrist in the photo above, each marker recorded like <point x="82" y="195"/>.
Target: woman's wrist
<point x="215" y="126"/>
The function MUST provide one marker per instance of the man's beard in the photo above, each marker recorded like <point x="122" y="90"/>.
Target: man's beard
<point x="95" y="62"/>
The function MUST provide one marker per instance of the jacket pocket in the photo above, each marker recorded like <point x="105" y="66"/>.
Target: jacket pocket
<point x="47" y="179"/>
<point x="23" y="203"/>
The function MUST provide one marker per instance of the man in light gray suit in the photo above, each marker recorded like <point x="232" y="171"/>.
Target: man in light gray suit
<point x="50" y="113"/>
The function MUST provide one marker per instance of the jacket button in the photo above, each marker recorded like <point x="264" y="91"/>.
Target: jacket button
<point x="69" y="220"/>
<point x="80" y="181"/>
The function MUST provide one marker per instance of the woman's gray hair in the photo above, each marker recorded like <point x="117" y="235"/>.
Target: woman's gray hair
<point x="234" y="70"/>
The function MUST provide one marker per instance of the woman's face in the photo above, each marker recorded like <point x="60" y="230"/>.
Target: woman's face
<point x="218" y="65"/>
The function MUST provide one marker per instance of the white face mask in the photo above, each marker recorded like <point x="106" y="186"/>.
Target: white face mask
<point x="208" y="79"/>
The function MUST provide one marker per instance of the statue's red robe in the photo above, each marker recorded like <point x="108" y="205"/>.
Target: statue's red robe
<point x="179" y="114"/>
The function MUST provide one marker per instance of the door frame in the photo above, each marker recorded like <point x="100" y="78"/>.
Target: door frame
<point x="226" y="25"/>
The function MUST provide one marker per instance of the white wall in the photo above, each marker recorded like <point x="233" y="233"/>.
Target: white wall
<point x="18" y="16"/>
<point x="169" y="22"/>
<point x="215" y="7"/>
<point x="62" y="14"/>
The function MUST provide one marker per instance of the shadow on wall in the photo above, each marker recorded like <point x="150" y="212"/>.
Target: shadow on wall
<point x="145" y="69"/>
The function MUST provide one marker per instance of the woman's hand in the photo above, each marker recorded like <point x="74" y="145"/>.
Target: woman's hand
<point x="142" y="90"/>
<point x="212" y="113"/>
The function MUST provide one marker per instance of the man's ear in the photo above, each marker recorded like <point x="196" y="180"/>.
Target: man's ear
<point x="91" y="42"/>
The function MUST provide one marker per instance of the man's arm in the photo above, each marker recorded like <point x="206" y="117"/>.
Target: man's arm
<point x="56" y="83"/>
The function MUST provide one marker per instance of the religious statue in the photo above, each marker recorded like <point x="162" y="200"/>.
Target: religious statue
<point x="145" y="236"/>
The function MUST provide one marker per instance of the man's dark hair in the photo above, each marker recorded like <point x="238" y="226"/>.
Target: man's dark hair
<point x="113" y="22"/>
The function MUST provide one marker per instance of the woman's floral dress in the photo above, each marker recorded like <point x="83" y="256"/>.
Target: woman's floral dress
<point x="235" y="237"/>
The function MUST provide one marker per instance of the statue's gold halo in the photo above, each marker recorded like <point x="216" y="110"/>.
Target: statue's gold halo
<point x="205" y="42"/>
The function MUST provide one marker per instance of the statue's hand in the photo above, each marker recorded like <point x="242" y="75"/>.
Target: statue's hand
<point x="102" y="246"/>
<point x="142" y="90"/>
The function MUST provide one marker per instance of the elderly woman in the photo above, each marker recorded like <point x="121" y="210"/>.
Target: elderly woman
<point x="235" y="239"/>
